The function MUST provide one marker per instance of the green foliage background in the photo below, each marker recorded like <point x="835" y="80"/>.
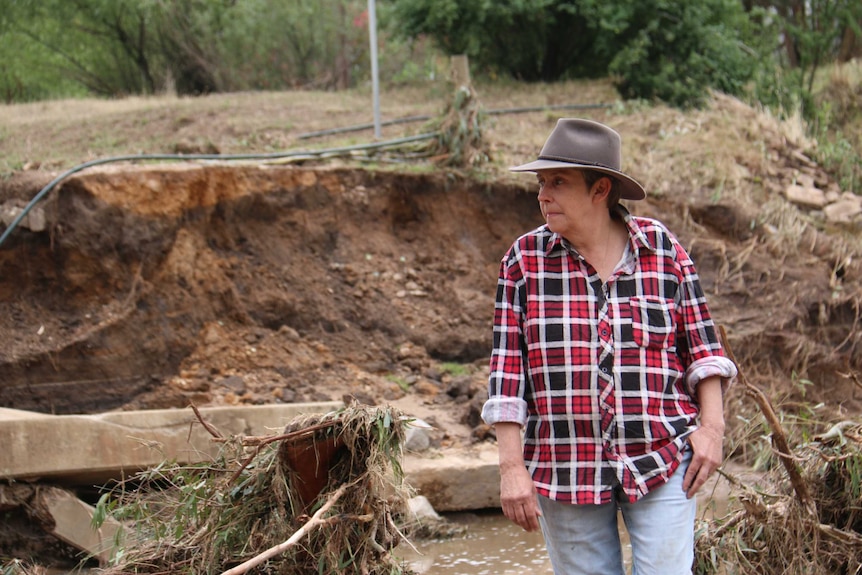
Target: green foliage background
<point x="60" y="48"/>
<point x="669" y="50"/>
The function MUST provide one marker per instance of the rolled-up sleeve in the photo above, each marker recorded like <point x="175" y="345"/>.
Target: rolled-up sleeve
<point x="700" y="347"/>
<point x="708" y="367"/>
<point x="507" y="379"/>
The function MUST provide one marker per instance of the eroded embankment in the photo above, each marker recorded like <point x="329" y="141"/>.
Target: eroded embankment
<point x="158" y="286"/>
<point x="310" y="269"/>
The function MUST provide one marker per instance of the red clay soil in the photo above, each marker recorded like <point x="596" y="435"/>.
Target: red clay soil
<point x="157" y="287"/>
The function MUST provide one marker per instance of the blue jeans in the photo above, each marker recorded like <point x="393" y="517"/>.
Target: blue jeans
<point x="584" y="539"/>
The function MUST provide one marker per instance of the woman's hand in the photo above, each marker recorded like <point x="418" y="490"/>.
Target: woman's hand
<point x="518" y="497"/>
<point x="707" y="445"/>
<point x="517" y="491"/>
<point x="707" y="440"/>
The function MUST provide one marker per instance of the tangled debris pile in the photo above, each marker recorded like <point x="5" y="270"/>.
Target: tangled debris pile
<point x="249" y="509"/>
<point x="774" y="532"/>
<point x="803" y="517"/>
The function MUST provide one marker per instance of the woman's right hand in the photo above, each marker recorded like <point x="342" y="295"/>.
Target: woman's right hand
<point x="517" y="491"/>
<point x="518" y="497"/>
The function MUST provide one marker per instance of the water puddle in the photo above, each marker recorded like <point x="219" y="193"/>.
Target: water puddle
<point x="492" y="545"/>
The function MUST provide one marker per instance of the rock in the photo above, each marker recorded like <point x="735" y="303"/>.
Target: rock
<point x="34" y="221"/>
<point x="807" y="196"/>
<point x="393" y="392"/>
<point x="473" y="415"/>
<point x="426" y="387"/>
<point x="284" y="395"/>
<point x="460" y="386"/>
<point x="844" y="211"/>
<point x="417" y="436"/>
<point x="805" y="180"/>
<point x="483" y="432"/>
<point x="234" y="383"/>
<point x="422" y="508"/>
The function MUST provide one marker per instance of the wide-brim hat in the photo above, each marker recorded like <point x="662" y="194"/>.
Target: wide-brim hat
<point x="584" y="144"/>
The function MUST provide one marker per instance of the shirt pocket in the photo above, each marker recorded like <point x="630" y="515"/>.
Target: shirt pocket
<point x="652" y="322"/>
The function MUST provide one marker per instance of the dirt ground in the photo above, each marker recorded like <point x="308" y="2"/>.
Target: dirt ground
<point x="157" y="286"/>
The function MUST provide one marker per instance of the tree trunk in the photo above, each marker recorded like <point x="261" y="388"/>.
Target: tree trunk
<point x="851" y="46"/>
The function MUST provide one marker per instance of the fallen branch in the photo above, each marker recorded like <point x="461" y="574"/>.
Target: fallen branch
<point x="259" y="442"/>
<point x="311" y="524"/>
<point x="208" y="426"/>
<point x="779" y="437"/>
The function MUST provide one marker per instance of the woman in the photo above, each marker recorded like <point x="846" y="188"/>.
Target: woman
<point x="606" y="374"/>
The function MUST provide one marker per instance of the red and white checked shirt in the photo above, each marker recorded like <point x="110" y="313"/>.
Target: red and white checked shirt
<point x="601" y="375"/>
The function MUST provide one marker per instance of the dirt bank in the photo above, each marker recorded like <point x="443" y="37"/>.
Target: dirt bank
<point x="161" y="287"/>
<point x="156" y="287"/>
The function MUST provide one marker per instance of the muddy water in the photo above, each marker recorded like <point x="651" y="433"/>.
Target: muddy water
<point x="492" y="545"/>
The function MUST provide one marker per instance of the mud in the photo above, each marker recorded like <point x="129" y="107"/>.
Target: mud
<point x="157" y="288"/>
<point x="164" y="286"/>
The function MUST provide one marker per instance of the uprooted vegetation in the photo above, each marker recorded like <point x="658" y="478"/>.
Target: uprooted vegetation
<point x="218" y="284"/>
<point x="325" y="496"/>
<point x="802" y="516"/>
<point x="812" y="527"/>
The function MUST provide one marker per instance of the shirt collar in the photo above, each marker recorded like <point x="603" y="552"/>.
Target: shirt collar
<point x="637" y="238"/>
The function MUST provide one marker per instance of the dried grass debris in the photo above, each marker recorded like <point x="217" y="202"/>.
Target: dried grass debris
<point x="803" y="517"/>
<point x="248" y="510"/>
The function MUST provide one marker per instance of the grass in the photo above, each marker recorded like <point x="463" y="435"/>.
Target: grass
<point x="50" y="133"/>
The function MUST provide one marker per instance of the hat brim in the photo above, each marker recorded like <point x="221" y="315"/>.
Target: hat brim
<point x="630" y="189"/>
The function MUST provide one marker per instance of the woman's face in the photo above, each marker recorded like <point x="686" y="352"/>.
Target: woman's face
<point x="564" y="199"/>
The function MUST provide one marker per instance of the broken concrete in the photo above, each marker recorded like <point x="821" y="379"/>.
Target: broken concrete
<point x="82" y="449"/>
<point x="462" y="480"/>
<point x="73" y="523"/>
<point x="87" y="449"/>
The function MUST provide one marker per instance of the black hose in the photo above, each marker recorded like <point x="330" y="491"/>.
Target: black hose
<point x="192" y="157"/>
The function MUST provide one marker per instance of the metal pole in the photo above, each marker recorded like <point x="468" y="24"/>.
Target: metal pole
<point x="375" y="82"/>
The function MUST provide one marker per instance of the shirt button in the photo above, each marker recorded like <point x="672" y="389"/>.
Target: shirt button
<point x="604" y="369"/>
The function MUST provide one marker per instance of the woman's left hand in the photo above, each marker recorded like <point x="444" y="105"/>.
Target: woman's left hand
<point x="706" y="444"/>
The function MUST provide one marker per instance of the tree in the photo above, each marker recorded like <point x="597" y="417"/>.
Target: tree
<point x="532" y="40"/>
<point x="675" y="50"/>
<point x="116" y="47"/>
<point x="100" y="44"/>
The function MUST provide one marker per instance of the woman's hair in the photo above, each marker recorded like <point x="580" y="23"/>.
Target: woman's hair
<point x="593" y="176"/>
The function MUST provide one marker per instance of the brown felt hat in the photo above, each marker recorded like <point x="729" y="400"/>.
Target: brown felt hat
<point x="585" y="144"/>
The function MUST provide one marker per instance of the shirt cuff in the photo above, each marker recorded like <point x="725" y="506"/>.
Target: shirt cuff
<point x="708" y="367"/>
<point x="505" y="410"/>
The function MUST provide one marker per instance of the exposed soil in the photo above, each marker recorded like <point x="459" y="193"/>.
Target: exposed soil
<point x="212" y="285"/>
<point x="161" y="286"/>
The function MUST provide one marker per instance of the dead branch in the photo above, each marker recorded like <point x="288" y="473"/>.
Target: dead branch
<point x="779" y="437"/>
<point x="260" y="441"/>
<point x="208" y="426"/>
<point x="311" y="524"/>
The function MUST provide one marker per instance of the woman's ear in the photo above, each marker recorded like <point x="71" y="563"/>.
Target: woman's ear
<point x="602" y="187"/>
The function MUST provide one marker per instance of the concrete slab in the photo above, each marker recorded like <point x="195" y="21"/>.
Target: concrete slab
<point x="7" y="414"/>
<point x="456" y="480"/>
<point x="93" y="449"/>
<point x="73" y="524"/>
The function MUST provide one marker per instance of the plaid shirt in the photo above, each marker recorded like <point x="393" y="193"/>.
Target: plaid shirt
<point x="601" y="375"/>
